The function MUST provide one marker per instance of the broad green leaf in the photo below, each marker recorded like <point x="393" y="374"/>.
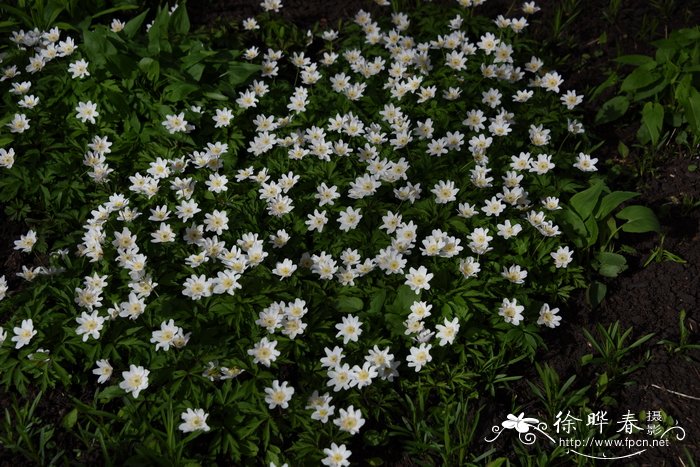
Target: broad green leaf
<point x="574" y="227"/>
<point x="692" y="110"/>
<point x="70" y="419"/>
<point x="150" y="67"/>
<point x="638" y="79"/>
<point x="611" y="201"/>
<point x="349" y="304"/>
<point x="612" y="110"/>
<point x="178" y="91"/>
<point x="592" y="229"/>
<point x="653" y="120"/>
<point x="216" y="96"/>
<point x="239" y="72"/>
<point x="635" y="60"/>
<point x="596" y="293"/>
<point x="110" y="11"/>
<point x="649" y="91"/>
<point x="610" y="264"/>
<point x="17" y="12"/>
<point x="639" y="219"/>
<point x="585" y="201"/>
<point x="179" y="21"/>
<point x="133" y="25"/>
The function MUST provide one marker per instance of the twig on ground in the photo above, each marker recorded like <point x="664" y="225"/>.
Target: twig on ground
<point x="675" y="392"/>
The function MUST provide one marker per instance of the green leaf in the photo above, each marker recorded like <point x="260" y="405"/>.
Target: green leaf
<point x="592" y="229"/>
<point x="349" y="304"/>
<point x="610" y="264"/>
<point x="239" y="72"/>
<point x="653" y="120"/>
<point x="179" y="20"/>
<point x="692" y="110"/>
<point x="150" y="67"/>
<point x="611" y="201"/>
<point x="216" y="96"/>
<point x="585" y="201"/>
<point x="133" y="25"/>
<point x="638" y="79"/>
<point x="574" y="227"/>
<point x="636" y="60"/>
<point x="639" y="219"/>
<point x="110" y="11"/>
<point x="612" y="110"/>
<point x="70" y="419"/>
<point x="178" y="91"/>
<point x="110" y="393"/>
<point x="596" y="293"/>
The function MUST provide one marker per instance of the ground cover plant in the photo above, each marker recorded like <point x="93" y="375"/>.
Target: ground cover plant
<point x="299" y="247"/>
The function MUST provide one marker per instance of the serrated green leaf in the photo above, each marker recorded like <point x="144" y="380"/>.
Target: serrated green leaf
<point x="639" y="219"/>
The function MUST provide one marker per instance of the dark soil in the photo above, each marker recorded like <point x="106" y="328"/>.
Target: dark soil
<point x="648" y="299"/>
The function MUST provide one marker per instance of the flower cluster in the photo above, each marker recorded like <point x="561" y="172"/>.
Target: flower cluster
<point x="384" y="190"/>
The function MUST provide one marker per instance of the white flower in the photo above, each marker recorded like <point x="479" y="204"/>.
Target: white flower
<point x="349" y="219"/>
<point x="279" y="395"/>
<point x="79" y="69"/>
<point x="420" y="356"/>
<point x="349" y="420"/>
<point x="223" y="118"/>
<point x="135" y="380"/>
<point x="514" y="274"/>
<point x="418" y="279"/>
<point x="86" y="112"/>
<point x="336" y="456"/>
<point x="23" y="334"/>
<point x="316" y="221"/>
<point x="264" y="352"/>
<point x="19" y="124"/>
<point x="90" y="325"/>
<point x="26" y="242"/>
<point x="175" y="123"/>
<point x="562" y="257"/>
<point x="447" y="331"/>
<point x="103" y="370"/>
<point x="285" y="268"/>
<point x="116" y="25"/>
<point x="349" y="329"/>
<point x="7" y="158"/>
<point x="548" y="316"/>
<point x="571" y="100"/>
<point x="585" y="163"/>
<point x="193" y="420"/>
<point x="469" y="267"/>
<point x="164" y="337"/>
<point x="3" y="287"/>
<point x="511" y="311"/>
<point x="508" y="230"/>
<point x="445" y="192"/>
